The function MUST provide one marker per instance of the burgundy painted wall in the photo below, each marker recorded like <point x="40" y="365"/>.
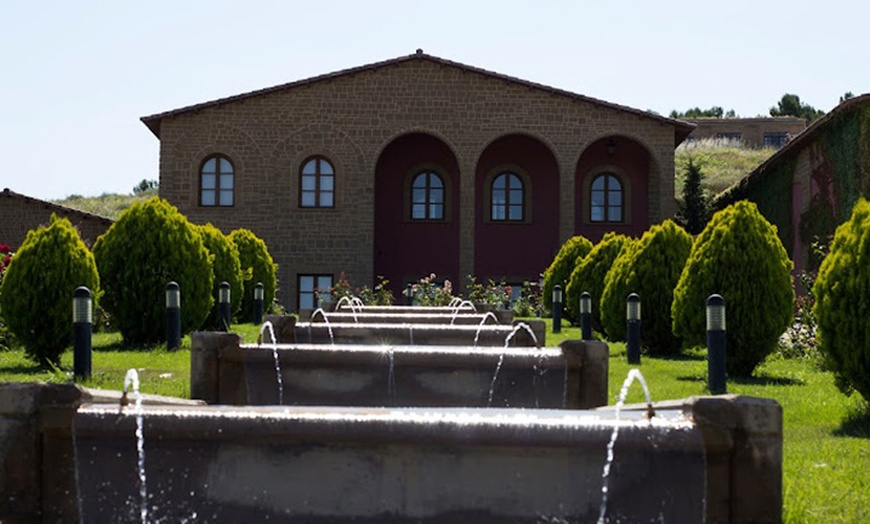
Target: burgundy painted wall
<point x="517" y="251"/>
<point x="633" y="161"/>
<point x="406" y="250"/>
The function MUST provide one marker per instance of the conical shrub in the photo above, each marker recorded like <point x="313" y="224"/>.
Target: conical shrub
<point x="36" y="293"/>
<point x="650" y="268"/>
<point x="738" y="256"/>
<point x="150" y="245"/>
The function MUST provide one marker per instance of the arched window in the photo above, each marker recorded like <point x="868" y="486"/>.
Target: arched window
<point x="317" y="184"/>
<point x="427" y="196"/>
<point x="216" y="181"/>
<point x="508" y="198"/>
<point x="606" y="199"/>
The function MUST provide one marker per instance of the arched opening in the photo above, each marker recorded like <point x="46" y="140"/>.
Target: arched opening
<point x="612" y="188"/>
<point x="416" y="211"/>
<point x="516" y="231"/>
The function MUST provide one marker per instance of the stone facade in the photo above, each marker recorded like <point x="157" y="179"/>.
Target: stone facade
<point x="19" y="214"/>
<point x="379" y="122"/>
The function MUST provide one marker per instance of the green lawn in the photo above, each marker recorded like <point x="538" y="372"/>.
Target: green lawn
<point x="826" y="447"/>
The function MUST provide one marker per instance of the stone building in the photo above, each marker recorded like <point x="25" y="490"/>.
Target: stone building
<point x="412" y="166"/>
<point x="752" y="132"/>
<point x="19" y="214"/>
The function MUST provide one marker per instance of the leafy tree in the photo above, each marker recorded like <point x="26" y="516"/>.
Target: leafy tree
<point x="791" y="105"/>
<point x="150" y="245"/>
<point x="227" y="268"/>
<point x="841" y="307"/>
<point x="697" y="112"/>
<point x="589" y="275"/>
<point x="846" y="96"/>
<point x="145" y="186"/>
<point x="650" y="268"/>
<point x="37" y="289"/>
<point x="258" y="266"/>
<point x="572" y="251"/>
<point x="738" y="256"/>
<point x="695" y="205"/>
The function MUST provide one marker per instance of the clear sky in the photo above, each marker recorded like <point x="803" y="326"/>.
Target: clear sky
<point x="76" y="76"/>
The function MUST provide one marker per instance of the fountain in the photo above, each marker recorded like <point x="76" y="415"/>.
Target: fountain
<point x="387" y="432"/>
<point x="705" y="458"/>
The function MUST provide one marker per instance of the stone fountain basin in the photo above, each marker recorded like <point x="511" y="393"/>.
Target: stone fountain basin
<point x="409" y="317"/>
<point x="342" y="464"/>
<point x="225" y="371"/>
<point x="416" y="334"/>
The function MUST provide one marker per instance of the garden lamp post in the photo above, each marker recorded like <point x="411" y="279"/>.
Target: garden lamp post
<point x="586" y="315"/>
<point x="83" y="327"/>
<point x="632" y="328"/>
<point x="173" y="316"/>
<point x="716" y="379"/>
<point x="557" y="308"/>
<point x="259" y="293"/>
<point x="224" y="299"/>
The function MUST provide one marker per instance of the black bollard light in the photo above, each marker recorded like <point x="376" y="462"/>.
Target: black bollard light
<point x="173" y="316"/>
<point x="586" y="315"/>
<point x="632" y="328"/>
<point x="259" y="293"/>
<point x="716" y="379"/>
<point x="83" y="328"/>
<point x="557" y="308"/>
<point x="224" y="299"/>
<point x="410" y="295"/>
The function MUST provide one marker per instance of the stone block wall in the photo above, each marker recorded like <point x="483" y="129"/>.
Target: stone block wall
<point x="351" y="117"/>
<point x="20" y="214"/>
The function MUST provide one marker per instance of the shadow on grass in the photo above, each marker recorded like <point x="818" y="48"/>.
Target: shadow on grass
<point x="682" y="357"/>
<point x="32" y="369"/>
<point x="767" y="380"/>
<point x="856" y="424"/>
<point x="692" y="378"/>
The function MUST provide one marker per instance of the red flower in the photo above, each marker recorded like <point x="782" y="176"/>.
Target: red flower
<point x="5" y="248"/>
<point x="7" y="260"/>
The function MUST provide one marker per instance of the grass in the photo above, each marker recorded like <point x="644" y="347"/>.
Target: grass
<point x="722" y="162"/>
<point x="825" y="445"/>
<point x="106" y="205"/>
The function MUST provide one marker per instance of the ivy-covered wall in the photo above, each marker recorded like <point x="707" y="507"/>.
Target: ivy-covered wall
<point x="772" y="193"/>
<point x="839" y="156"/>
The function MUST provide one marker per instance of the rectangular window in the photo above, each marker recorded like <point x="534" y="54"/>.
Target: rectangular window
<point x="776" y="140"/>
<point x="313" y="290"/>
<point x="732" y="136"/>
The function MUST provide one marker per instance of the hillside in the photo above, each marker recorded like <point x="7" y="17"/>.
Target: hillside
<point x="723" y="162"/>
<point x="106" y="205"/>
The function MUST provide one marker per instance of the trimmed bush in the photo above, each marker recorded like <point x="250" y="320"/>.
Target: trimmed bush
<point x="841" y="307"/>
<point x="738" y="256"/>
<point x="589" y="275"/>
<point x="150" y="245"/>
<point x="227" y="268"/>
<point x="575" y="249"/>
<point x="37" y="289"/>
<point x="258" y="266"/>
<point x="651" y="268"/>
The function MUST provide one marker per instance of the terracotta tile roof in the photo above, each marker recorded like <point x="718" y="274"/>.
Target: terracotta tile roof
<point x="7" y="193"/>
<point x="681" y="128"/>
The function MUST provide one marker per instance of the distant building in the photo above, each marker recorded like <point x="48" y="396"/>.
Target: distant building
<point x="752" y="132"/>
<point x="810" y="185"/>
<point x="416" y="165"/>
<point x="19" y="214"/>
